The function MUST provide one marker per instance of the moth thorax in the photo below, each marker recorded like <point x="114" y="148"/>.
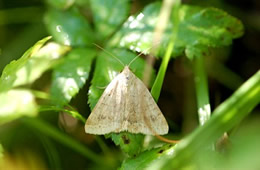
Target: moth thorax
<point x="128" y="76"/>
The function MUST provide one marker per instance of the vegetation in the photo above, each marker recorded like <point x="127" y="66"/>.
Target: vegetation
<point x="47" y="94"/>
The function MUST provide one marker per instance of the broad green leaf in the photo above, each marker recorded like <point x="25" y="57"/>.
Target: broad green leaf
<point x="61" y="4"/>
<point x="69" y="27"/>
<point x="107" y="67"/>
<point x="137" y="32"/>
<point x="147" y="159"/>
<point x="15" y="104"/>
<point x="129" y="143"/>
<point x="108" y="15"/>
<point x="199" y="28"/>
<point x="71" y="74"/>
<point x="32" y="65"/>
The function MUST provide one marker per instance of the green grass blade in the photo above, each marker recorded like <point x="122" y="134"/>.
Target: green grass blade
<point x="225" y="117"/>
<point x="52" y="132"/>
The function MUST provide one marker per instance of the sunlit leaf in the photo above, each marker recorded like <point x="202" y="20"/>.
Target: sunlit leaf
<point x="109" y="15"/>
<point x="199" y="28"/>
<point x="15" y="104"/>
<point x="31" y="66"/>
<point x="69" y="27"/>
<point x="71" y="74"/>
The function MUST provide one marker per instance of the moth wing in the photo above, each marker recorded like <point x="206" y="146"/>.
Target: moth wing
<point x="145" y="116"/>
<point x="105" y="117"/>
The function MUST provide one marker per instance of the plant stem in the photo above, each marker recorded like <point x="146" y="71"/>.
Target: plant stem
<point x="157" y="86"/>
<point x="73" y="113"/>
<point x="201" y="84"/>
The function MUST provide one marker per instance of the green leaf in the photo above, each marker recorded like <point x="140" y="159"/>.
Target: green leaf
<point x="129" y="143"/>
<point x="208" y="27"/>
<point x="8" y="75"/>
<point x="108" y="67"/>
<point x="31" y="65"/>
<point x="61" y="4"/>
<point x="109" y="15"/>
<point x="147" y="158"/>
<point x="199" y="28"/>
<point x="69" y="27"/>
<point x="71" y="74"/>
<point x="137" y="32"/>
<point x="15" y="104"/>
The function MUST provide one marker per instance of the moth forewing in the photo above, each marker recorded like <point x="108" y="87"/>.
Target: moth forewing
<point x="126" y="105"/>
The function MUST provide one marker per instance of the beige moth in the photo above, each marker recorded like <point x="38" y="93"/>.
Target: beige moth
<point x="126" y="105"/>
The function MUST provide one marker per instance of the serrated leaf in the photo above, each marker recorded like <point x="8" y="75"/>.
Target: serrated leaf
<point x="71" y="74"/>
<point x="208" y="27"/>
<point x="147" y="159"/>
<point x="129" y="143"/>
<point x="15" y="104"/>
<point x="69" y="27"/>
<point x="108" y="15"/>
<point x="137" y="32"/>
<point x="6" y="79"/>
<point x="198" y="27"/>
<point x="107" y="67"/>
<point x="31" y="65"/>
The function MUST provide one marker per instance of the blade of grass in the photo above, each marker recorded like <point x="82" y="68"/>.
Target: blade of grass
<point x="225" y="117"/>
<point x="64" y="139"/>
<point x="79" y="117"/>
<point x="51" y="152"/>
<point x="157" y="86"/>
<point x="224" y="75"/>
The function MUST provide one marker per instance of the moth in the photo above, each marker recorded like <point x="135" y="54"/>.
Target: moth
<point x="126" y="105"/>
<point x="119" y="109"/>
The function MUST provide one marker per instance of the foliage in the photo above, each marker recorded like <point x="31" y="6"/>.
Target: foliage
<point x="75" y="63"/>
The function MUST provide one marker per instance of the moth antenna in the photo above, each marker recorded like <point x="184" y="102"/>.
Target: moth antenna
<point x="134" y="59"/>
<point x="109" y="53"/>
<point x="142" y="53"/>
